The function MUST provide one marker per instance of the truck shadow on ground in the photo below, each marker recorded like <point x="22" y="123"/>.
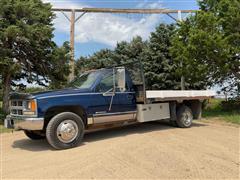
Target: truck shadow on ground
<point x="132" y="129"/>
<point x="42" y="145"/>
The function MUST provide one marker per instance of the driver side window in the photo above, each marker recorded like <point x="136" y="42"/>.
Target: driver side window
<point x="106" y="84"/>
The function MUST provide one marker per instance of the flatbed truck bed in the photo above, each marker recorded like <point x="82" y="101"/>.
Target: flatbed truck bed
<point x="178" y="95"/>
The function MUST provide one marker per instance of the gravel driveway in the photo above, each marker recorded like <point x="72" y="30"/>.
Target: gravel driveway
<point x="150" y="150"/>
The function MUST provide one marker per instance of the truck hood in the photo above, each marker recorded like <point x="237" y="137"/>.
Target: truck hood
<point x="47" y="94"/>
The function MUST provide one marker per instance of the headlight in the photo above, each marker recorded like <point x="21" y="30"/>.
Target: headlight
<point x="30" y="108"/>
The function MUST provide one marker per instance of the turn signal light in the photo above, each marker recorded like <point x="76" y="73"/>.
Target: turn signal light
<point x="33" y="105"/>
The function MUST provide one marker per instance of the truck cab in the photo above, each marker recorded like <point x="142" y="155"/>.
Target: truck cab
<point x="96" y="99"/>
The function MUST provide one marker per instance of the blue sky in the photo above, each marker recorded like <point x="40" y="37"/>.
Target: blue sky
<point x="97" y="31"/>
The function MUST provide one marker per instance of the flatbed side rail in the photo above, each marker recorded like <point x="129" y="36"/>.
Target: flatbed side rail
<point x="179" y="95"/>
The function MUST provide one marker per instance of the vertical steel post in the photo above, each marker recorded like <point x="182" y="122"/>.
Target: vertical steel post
<point x="72" y="32"/>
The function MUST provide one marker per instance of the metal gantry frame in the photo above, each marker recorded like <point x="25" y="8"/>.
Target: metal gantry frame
<point x="83" y="11"/>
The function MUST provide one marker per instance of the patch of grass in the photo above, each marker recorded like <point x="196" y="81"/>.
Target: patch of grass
<point x="3" y="129"/>
<point x="214" y="109"/>
<point x="2" y="116"/>
<point x="1" y="112"/>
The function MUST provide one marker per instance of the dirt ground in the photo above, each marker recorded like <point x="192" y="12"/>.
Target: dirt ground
<point x="151" y="150"/>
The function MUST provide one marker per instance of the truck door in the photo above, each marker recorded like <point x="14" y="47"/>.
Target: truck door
<point x="107" y="106"/>
<point x="126" y="98"/>
<point x="104" y="101"/>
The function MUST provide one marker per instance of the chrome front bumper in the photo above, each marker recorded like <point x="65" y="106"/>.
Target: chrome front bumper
<point x="23" y="123"/>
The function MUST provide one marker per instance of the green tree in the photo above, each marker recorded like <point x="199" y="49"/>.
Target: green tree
<point x="158" y="63"/>
<point x="26" y="45"/>
<point x="126" y="52"/>
<point x="208" y="44"/>
<point x="100" y="59"/>
<point x="187" y="57"/>
<point x="1" y="90"/>
<point x="60" y="69"/>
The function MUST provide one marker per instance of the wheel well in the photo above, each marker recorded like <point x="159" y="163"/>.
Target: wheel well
<point x="51" y="112"/>
<point x="195" y="106"/>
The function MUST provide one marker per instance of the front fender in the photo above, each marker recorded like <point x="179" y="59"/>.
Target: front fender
<point x="45" y="104"/>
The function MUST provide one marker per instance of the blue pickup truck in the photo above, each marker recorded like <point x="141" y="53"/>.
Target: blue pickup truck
<point x="99" y="99"/>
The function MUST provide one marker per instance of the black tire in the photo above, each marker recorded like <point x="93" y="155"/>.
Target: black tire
<point x="184" y="117"/>
<point x="52" y="130"/>
<point x="34" y="135"/>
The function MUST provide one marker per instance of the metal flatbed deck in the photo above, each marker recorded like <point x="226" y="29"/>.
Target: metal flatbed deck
<point x="179" y="95"/>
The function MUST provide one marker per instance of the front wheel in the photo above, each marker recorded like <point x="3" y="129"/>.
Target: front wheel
<point x="184" y="117"/>
<point x="65" y="131"/>
<point x="34" y="135"/>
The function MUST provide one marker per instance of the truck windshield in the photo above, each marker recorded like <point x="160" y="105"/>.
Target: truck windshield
<point x="85" y="80"/>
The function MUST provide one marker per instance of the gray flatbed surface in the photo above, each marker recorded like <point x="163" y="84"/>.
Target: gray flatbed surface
<point x="165" y="95"/>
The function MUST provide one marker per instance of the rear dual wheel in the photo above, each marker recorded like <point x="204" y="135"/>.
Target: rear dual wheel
<point x="184" y="117"/>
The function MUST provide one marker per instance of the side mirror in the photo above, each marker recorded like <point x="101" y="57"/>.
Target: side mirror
<point x="121" y="78"/>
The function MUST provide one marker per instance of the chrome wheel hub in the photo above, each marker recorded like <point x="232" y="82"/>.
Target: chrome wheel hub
<point x="187" y="119"/>
<point x="67" y="131"/>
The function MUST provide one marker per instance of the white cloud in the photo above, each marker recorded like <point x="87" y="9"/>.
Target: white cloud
<point x="64" y="4"/>
<point x="107" y="28"/>
<point x="151" y="5"/>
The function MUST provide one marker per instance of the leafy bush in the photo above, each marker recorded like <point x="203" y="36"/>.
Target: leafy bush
<point x="2" y="115"/>
<point x="214" y="108"/>
<point x="34" y="89"/>
<point x="1" y="93"/>
<point x="231" y="105"/>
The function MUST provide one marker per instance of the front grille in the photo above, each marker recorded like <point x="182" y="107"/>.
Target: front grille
<point x="17" y="103"/>
<point x="17" y="111"/>
<point x="17" y="107"/>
